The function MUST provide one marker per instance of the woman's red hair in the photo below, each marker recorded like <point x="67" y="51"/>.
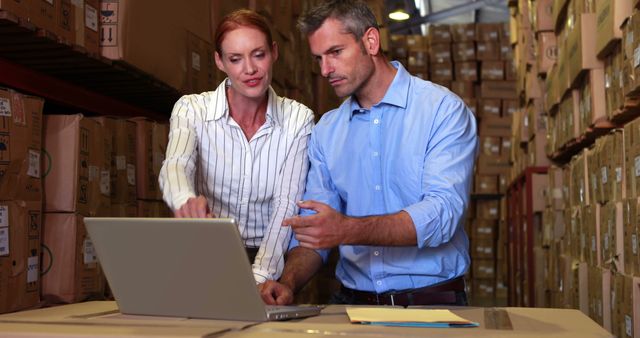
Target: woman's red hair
<point x="241" y="18"/>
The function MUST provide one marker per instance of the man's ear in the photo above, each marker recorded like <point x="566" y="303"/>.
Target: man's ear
<point x="371" y="41"/>
<point x="219" y="63"/>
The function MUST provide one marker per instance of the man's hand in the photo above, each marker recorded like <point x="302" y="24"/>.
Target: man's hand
<point x="275" y="293"/>
<point x="195" y="207"/>
<point x="324" y="230"/>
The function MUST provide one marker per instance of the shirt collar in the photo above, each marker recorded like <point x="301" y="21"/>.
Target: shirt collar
<point x="396" y="95"/>
<point x="219" y="106"/>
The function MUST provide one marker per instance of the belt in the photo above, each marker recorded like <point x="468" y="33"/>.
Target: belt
<point x="443" y="293"/>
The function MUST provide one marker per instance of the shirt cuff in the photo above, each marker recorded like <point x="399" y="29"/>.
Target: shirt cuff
<point x="422" y="217"/>
<point x="260" y="276"/>
<point x="181" y="199"/>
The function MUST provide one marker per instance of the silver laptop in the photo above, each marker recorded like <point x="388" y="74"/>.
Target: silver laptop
<point x="194" y="268"/>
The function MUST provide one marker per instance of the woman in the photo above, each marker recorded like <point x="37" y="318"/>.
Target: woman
<point x="240" y="151"/>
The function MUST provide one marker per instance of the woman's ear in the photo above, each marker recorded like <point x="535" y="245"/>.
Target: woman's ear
<point x="371" y="40"/>
<point x="219" y="63"/>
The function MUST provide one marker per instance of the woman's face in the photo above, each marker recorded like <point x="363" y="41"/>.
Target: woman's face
<point x="247" y="60"/>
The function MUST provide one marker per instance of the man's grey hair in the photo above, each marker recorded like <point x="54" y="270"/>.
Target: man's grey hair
<point x="355" y="15"/>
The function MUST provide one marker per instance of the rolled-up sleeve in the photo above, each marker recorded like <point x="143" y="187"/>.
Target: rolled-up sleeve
<point x="176" y="177"/>
<point x="448" y="169"/>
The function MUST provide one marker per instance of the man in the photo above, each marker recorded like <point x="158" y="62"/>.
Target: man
<point x="389" y="179"/>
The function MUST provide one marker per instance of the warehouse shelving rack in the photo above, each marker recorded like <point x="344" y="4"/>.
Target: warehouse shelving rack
<point x="520" y="221"/>
<point x="37" y="62"/>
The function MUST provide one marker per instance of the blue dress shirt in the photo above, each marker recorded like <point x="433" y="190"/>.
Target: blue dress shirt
<point x="412" y="151"/>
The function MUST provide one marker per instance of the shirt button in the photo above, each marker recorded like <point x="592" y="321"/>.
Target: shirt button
<point x="378" y="187"/>
<point x="376" y="121"/>
<point x="376" y="253"/>
<point x="379" y="282"/>
<point x="375" y="153"/>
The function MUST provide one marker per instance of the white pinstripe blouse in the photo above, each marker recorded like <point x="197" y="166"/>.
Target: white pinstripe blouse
<point x="257" y="181"/>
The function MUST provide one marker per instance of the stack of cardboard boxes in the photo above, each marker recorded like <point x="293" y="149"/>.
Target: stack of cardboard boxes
<point x="476" y="62"/>
<point x="20" y="200"/>
<point x="587" y="257"/>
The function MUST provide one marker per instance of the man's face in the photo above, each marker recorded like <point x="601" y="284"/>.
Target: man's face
<point x="343" y="59"/>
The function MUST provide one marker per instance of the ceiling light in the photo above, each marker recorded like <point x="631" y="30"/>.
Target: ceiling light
<point x="399" y="14"/>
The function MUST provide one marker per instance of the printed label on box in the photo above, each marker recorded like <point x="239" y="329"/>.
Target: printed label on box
<point x="89" y="252"/>
<point x="604" y="175"/>
<point x="195" y="61"/>
<point x="4" y="241"/>
<point x="33" y="269"/>
<point x="94" y="173"/>
<point x="593" y="243"/>
<point x="34" y="164"/>
<point x="105" y="182"/>
<point x="4" y="216"/>
<point x="121" y="162"/>
<point x="637" y="166"/>
<point x="628" y="325"/>
<point x="636" y="58"/>
<point x="493" y="211"/>
<point x="618" y="174"/>
<point x="606" y="241"/>
<point x="634" y="244"/>
<point x="5" y="107"/>
<point x="131" y="174"/>
<point x="91" y="18"/>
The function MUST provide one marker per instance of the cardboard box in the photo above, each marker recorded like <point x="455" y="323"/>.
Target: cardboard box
<point x="441" y="72"/>
<point x="72" y="182"/>
<point x="124" y="210"/>
<point x="483" y="249"/>
<point x="498" y="90"/>
<point x="73" y="273"/>
<point x="65" y="18"/>
<point x="490" y="107"/>
<point x="484" y="269"/>
<point x="418" y="59"/>
<point x="488" y="50"/>
<point x="581" y="46"/>
<point x="416" y="41"/>
<point x="492" y="70"/>
<point x="154" y="209"/>
<point x="440" y="52"/>
<point x="506" y="51"/>
<point x="123" y="159"/>
<point x="104" y="170"/>
<point x="201" y="64"/>
<point x="466" y="71"/>
<point x="488" y="31"/>
<point x="151" y="146"/>
<point x="20" y="146"/>
<point x="611" y="14"/>
<point x="484" y="229"/>
<point x="20" y="235"/>
<point x="547" y="51"/>
<point x="16" y="7"/>
<point x="496" y="126"/>
<point x="486" y="184"/>
<point x="613" y="82"/>
<point x="465" y="89"/>
<point x="439" y="34"/>
<point x="592" y="106"/>
<point x="464" y="51"/>
<point x="86" y="25"/>
<point x="490" y="165"/>
<point x="631" y="237"/>
<point x="488" y="209"/>
<point x="509" y="107"/>
<point x="42" y="13"/>
<point x="155" y="44"/>
<point x="463" y="32"/>
<point x="544" y="15"/>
